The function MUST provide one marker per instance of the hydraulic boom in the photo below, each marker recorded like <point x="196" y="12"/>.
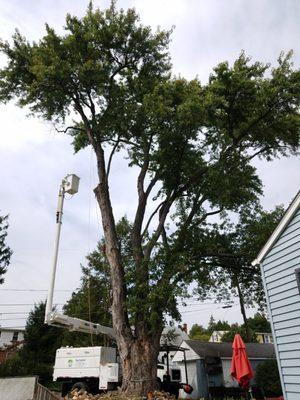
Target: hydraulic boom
<point x="79" y="325"/>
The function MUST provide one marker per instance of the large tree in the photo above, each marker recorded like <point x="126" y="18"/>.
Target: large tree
<point x="191" y="146"/>
<point x="5" y="250"/>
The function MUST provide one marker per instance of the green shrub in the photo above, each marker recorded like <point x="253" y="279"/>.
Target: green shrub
<point x="267" y="378"/>
<point x="18" y="365"/>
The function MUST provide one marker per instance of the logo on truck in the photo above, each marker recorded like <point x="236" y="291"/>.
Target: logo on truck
<point x="70" y="363"/>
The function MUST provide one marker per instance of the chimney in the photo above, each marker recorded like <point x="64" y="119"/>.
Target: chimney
<point x="184" y="328"/>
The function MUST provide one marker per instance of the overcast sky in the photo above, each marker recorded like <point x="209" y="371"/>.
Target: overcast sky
<point x="34" y="158"/>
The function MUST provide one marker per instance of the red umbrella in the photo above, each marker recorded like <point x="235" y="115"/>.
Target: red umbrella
<point x="241" y="368"/>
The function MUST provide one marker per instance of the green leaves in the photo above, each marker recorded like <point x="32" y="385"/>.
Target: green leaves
<point x="267" y="377"/>
<point x="253" y="107"/>
<point x="228" y="252"/>
<point x="5" y="250"/>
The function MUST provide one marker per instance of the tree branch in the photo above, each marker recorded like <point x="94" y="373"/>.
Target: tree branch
<point x="111" y="156"/>
<point x="151" y="217"/>
<point x="68" y="128"/>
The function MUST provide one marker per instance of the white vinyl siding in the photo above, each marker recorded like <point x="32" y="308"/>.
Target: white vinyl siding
<point x="278" y="269"/>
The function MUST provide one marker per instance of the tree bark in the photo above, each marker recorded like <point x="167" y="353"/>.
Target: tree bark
<point x="140" y="366"/>
<point x="243" y="311"/>
<point x="138" y="352"/>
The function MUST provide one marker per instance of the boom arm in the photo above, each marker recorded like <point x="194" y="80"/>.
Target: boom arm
<point x="69" y="185"/>
<point x="78" y="325"/>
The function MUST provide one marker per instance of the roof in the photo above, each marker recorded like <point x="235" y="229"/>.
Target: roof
<point x="290" y="212"/>
<point x="224" y="350"/>
<point x="173" y="336"/>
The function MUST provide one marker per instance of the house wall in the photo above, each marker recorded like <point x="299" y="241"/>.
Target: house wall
<point x="228" y="380"/>
<point x="278" y="271"/>
<point x="192" y="379"/>
<point x="264" y="337"/>
<point x="202" y="380"/>
<point x="6" y="337"/>
<point x="197" y="378"/>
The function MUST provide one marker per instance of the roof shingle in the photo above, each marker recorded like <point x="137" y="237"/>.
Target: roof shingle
<point x="224" y="350"/>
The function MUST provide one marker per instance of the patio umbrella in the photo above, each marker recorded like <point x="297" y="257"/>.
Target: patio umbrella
<point x="241" y="368"/>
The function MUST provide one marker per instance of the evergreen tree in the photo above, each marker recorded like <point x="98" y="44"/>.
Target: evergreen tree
<point x="37" y="355"/>
<point x="217" y="326"/>
<point x="5" y="251"/>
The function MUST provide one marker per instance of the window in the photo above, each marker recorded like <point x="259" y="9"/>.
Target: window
<point x="15" y="336"/>
<point x="268" y="339"/>
<point x="176" y="375"/>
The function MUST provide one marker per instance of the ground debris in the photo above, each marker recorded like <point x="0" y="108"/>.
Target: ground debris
<point x="81" y="395"/>
<point x="160" y="395"/>
<point x="116" y="395"/>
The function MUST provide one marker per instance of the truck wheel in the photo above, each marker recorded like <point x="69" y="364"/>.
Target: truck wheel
<point x="80" y="386"/>
<point x="158" y="384"/>
<point x="66" y="388"/>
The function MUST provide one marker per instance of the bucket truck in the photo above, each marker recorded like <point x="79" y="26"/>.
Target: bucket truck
<point x="98" y="367"/>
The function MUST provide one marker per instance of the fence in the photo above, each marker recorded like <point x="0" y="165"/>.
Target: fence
<point x="42" y="393"/>
<point x="24" y="388"/>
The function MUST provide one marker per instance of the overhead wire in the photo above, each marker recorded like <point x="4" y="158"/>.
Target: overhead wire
<point x="15" y="313"/>
<point x="33" y="290"/>
<point x="24" y="304"/>
<point x="10" y="319"/>
<point x="13" y="327"/>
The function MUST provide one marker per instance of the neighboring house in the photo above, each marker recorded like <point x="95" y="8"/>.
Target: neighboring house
<point x="172" y="336"/>
<point x="216" y="336"/>
<point x="208" y="364"/>
<point x="262" y="337"/>
<point x="10" y="336"/>
<point x="279" y="260"/>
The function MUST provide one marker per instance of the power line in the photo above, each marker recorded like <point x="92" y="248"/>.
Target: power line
<point x="10" y="319"/>
<point x="206" y="309"/>
<point x="35" y="290"/>
<point x="14" y="313"/>
<point x="26" y="304"/>
<point x="200" y="310"/>
<point x="204" y="304"/>
<point x="12" y="327"/>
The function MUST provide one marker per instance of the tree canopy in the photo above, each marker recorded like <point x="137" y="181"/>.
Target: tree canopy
<point x="231" y="248"/>
<point x="107" y="81"/>
<point x="5" y="250"/>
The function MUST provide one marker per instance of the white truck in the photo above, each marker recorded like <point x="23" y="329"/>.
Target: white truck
<point x="97" y="369"/>
<point x="94" y="368"/>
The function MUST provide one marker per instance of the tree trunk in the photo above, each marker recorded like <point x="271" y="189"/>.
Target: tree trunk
<point x="243" y="311"/>
<point x="139" y="366"/>
<point x="139" y="351"/>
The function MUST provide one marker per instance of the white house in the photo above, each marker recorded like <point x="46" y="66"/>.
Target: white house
<point x="262" y="337"/>
<point x="9" y="336"/>
<point x="208" y="364"/>
<point x="216" y="336"/>
<point x="279" y="260"/>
